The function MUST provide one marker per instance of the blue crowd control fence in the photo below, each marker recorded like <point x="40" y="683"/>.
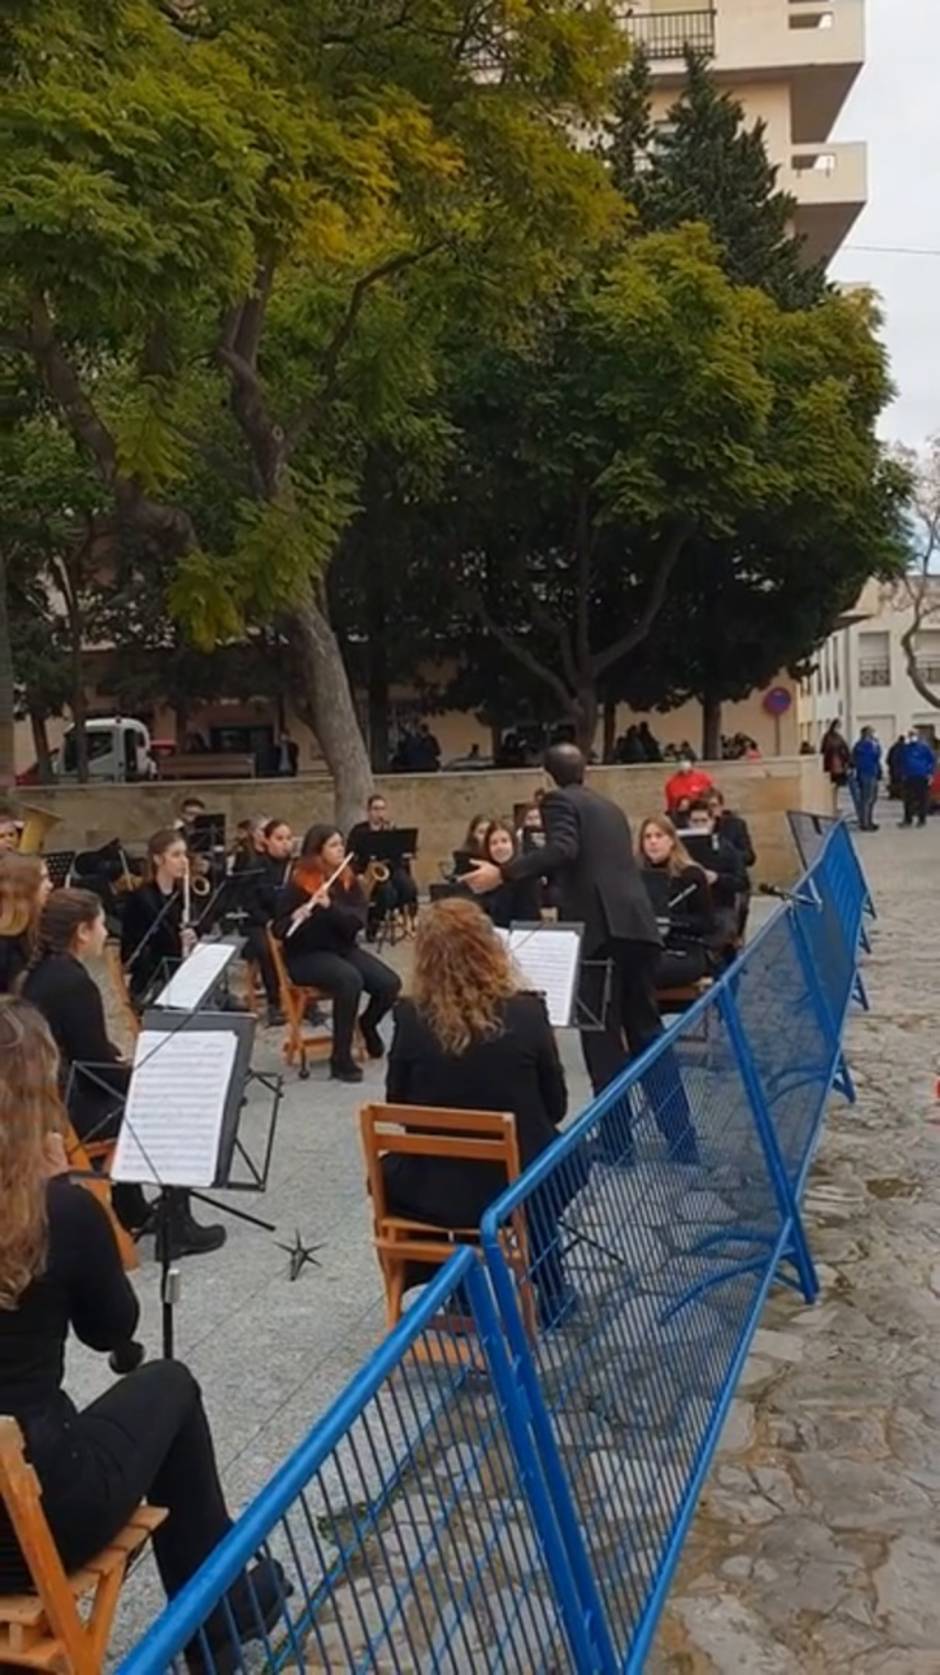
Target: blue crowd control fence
<point x="511" y="1489"/>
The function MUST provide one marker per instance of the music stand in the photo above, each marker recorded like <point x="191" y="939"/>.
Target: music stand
<point x="389" y="847"/>
<point x="179" y="1131"/>
<point x="198" y="974"/>
<point x="206" y="834"/>
<point x="59" y="864"/>
<point x="549" y="956"/>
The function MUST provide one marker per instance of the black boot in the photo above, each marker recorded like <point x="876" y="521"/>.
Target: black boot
<point x="375" y="1046"/>
<point x="184" y="1235"/>
<point x="344" y="1070"/>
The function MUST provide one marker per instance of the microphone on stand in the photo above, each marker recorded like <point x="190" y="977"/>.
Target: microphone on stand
<point x="780" y="894"/>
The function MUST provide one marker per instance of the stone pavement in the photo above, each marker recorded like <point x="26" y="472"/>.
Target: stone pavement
<point x="816" y="1547"/>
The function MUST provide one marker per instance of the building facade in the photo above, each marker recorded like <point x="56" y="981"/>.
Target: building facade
<point x="791" y="63"/>
<point x="861" y="678"/>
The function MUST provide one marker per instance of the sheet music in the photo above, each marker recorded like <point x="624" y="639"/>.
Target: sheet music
<point x="199" y="973"/>
<point x="548" y="960"/>
<point x="172" y="1125"/>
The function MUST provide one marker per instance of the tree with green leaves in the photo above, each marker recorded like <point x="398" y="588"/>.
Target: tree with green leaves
<point x="273" y="209"/>
<point x="705" y="164"/>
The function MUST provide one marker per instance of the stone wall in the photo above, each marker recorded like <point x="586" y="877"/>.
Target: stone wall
<point x="440" y="805"/>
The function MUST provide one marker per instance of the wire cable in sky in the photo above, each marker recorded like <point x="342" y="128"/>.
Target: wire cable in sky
<point x="891" y="250"/>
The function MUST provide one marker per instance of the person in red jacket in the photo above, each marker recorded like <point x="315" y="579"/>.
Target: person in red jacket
<point x="689" y="782"/>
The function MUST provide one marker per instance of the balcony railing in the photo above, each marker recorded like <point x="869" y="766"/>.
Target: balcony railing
<point x="874" y="674"/>
<point x="928" y="671"/>
<point x="671" y="34"/>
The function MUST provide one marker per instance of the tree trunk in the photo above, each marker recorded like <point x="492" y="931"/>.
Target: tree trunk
<point x="610" y="730"/>
<point x="329" y="701"/>
<point x="37" y="722"/>
<point x="378" y="670"/>
<point x="585" y="719"/>
<point x="7" y="709"/>
<point x="78" y="704"/>
<point x="711" y="729"/>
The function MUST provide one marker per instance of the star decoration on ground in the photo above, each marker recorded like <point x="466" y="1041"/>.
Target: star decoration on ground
<point x="299" y="1255"/>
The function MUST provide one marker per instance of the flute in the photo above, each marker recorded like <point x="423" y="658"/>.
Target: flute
<point x="187" y="900"/>
<point x="304" y="912"/>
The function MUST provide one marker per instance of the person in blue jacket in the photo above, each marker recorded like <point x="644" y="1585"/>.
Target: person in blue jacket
<point x="866" y="767"/>
<point x="919" y="765"/>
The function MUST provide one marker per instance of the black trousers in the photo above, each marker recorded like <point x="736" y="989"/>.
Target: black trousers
<point x="344" y="977"/>
<point x="147" y="1436"/>
<point x="256" y="948"/>
<point x="400" y="893"/>
<point x="677" y="967"/>
<point x="632" y="1023"/>
<point x="916" y="800"/>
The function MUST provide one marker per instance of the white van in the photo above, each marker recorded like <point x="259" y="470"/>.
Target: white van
<point x="118" y="749"/>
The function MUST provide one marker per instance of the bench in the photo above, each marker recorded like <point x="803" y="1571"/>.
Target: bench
<point x="46" y="1630"/>
<point x="430" y="1131"/>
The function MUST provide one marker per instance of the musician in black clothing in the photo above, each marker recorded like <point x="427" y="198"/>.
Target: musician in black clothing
<point x="510" y="902"/>
<point x="72" y="928"/>
<point x="469" y="1038"/>
<point x="726" y="872"/>
<point x="152" y="930"/>
<point x="319" y="923"/>
<point x="588" y="854"/>
<point x="260" y="871"/>
<point x="146" y="1436"/>
<point x="399" y="892"/>
<point x="733" y="829"/>
<point x="153" y="933"/>
<point x="690" y="929"/>
<point x="24" y="888"/>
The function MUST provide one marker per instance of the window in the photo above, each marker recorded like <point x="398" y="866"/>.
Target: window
<point x="874" y="659"/>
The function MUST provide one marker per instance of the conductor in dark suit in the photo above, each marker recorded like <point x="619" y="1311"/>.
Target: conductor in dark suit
<point x="588" y="855"/>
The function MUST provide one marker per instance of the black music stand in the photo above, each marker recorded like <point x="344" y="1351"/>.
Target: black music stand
<point x="59" y="864"/>
<point x="206" y="834"/>
<point x="200" y="1151"/>
<point x="389" y="847"/>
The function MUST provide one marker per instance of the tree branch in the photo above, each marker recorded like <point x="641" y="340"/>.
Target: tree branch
<point x="521" y="653"/>
<point x="654" y="603"/>
<point x="330" y="359"/>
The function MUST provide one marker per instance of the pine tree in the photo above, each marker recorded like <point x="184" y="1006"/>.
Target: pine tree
<point x="705" y="164"/>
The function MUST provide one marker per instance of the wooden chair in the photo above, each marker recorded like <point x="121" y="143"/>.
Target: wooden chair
<point x="251" y="999"/>
<point x="46" y="1629"/>
<point x="301" y="1046"/>
<point x="83" y="1155"/>
<point x="122" y="993"/>
<point x="680" y="999"/>
<point x="465" y="1137"/>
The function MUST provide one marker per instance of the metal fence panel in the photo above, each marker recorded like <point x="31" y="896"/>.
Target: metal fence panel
<point x="404" y="1525"/>
<point x="655" y="1227"/>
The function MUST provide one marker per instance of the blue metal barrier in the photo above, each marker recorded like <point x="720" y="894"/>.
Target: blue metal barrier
<point x="508" y="1483"/>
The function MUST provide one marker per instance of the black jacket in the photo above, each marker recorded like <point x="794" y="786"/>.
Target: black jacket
<point x="70" y="1001"/>
<point x="734" y="830"/>
<point x="254" y="885"/>
<point x="588" y="854"/>
<point x="14" y="958"/>
<point x="690" y="911"/>
<point x="515" y="901"/>
<point x="518" y="1070"/>
<point x="331" y="930"/>
<point x="145" y="950"/>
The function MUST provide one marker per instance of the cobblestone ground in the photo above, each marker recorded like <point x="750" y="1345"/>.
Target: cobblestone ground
<point x="817" y="1542"/>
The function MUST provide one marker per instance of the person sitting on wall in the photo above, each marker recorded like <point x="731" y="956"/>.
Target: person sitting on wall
<point x="689" y="782"/>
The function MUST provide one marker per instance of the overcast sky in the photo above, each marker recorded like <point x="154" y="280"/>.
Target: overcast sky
<point x="895" y="106"/>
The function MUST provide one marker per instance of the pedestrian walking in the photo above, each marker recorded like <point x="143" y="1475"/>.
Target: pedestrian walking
<point x="920" y="765"/>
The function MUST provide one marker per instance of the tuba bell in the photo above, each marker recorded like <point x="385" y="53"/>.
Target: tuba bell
<point x="37" y="824"/>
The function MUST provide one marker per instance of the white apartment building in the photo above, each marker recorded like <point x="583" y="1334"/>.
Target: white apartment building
<point x="791" y="63"/>
<point x="861" y="674"/>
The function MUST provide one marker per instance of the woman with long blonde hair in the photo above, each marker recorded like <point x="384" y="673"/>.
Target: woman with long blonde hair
<point x="24" y="889"/>
<point x="683" y="904"/>
<point x="470" y="1037"/>
<point x="146" y="1436"/>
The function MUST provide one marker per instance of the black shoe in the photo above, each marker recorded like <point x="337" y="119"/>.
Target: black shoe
<point x="345" y="1071"/>
<point x="375" y="1046"/>
<point x="185" y="1236"/>
<point x="315" y="1015"/>
<point x="275" y="1017"/>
